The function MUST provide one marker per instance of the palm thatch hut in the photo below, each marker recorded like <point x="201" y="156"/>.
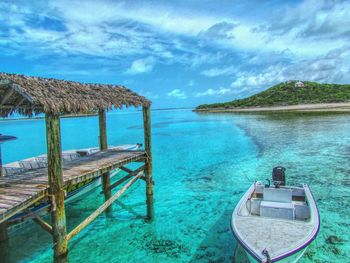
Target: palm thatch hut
<point x="28" y="96"/>
<point x="33" y="95"/>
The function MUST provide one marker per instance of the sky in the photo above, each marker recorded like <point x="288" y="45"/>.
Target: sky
<point x="178" y="53"/>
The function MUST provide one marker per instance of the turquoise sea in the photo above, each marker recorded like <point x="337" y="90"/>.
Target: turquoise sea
<point x="203" y="163"/>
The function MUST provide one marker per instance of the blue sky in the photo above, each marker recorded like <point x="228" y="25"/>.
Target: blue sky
<point x="178" y="53"/>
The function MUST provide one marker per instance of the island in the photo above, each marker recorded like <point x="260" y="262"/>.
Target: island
<point x="293" y="95"/>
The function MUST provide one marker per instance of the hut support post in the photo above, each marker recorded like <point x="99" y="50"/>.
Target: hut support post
<point x="103" y="129"/>
<point x="0" y="162"/>
<point x="148" y="163"/>
<point x="106" y="180"/>
<point x="57" y="193"/>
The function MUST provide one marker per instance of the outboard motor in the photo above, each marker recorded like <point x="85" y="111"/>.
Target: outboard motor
<point x="278" y="176"/>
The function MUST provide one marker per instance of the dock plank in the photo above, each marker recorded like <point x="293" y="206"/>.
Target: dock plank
<point x="11" y="198"/>
<point x="9" y="202"/>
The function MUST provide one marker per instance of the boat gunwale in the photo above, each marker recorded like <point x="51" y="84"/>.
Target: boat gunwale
<point x="312" y="238"/>
<point x="236" y="210"/>
<point x="288" y="253"/>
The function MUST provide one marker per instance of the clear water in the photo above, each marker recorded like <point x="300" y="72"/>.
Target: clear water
<point x="203" y="163"/>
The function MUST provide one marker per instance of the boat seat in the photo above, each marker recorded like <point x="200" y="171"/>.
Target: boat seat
<point x="281" y="210"/>
<point x="277" y="195"/>
<point x="302" y="211"/>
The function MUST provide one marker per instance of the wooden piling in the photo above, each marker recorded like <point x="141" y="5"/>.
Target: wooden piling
<point x="106" y="180"/>
<point x="103" y="129"/>
<point x="148" y="164"/>
<point x="3" y="232"/>
<point x="56" y="190"/>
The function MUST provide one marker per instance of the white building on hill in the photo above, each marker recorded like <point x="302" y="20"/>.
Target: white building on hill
<point x="299" y="84"/>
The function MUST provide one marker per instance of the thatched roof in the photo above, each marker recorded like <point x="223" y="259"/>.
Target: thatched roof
<point x="32" y="95"/>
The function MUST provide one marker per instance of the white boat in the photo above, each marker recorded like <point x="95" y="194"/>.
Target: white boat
<point x="74" y="192"/>
<point x="275" y="223"/>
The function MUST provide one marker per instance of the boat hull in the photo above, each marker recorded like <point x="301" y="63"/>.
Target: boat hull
<point x="242" y="256"/>
<point x="275" y="232"/>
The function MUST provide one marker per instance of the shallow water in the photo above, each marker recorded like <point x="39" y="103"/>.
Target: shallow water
<point x="203" y="163"/>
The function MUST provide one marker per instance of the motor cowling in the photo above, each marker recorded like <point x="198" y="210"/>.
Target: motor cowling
<point x="278" y="176"/>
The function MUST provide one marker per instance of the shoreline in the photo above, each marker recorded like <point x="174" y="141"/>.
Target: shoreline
<point x="317" y="107"/>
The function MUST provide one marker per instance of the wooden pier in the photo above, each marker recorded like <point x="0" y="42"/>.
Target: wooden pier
<point x="23" y="190"/>
<point x="32" y="95"/>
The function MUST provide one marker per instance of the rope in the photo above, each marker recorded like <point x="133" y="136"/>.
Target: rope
<point x="242" y="171"/>
<point x="267" y="255"/>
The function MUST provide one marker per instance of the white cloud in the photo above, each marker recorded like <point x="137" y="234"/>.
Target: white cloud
<point x="308" y="29"/>
<point x="314" y="18"/>
<point x="331" y="67"/>
<point x="220" y="30"/>
<point x="166" y="19"/>
<point x="214" y="92"/>
<point x="177" y="93"/>
<point x="272" y="74"/>
<point x="149" y="94"/>
<point x="141" y="66"/>
<point x="123" y="28"/>
<point x="214" y="72"/>
<point x="197" y="57"/>
<point x="110" y="30"/>
<point x="305" y="40"/>
<point x="248" y="39"/>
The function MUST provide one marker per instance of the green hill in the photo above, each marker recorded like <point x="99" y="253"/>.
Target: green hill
<point x="288" y="93"/>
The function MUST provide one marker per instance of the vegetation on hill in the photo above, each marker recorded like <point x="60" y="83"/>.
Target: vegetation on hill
<point x="289" y="93"/>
